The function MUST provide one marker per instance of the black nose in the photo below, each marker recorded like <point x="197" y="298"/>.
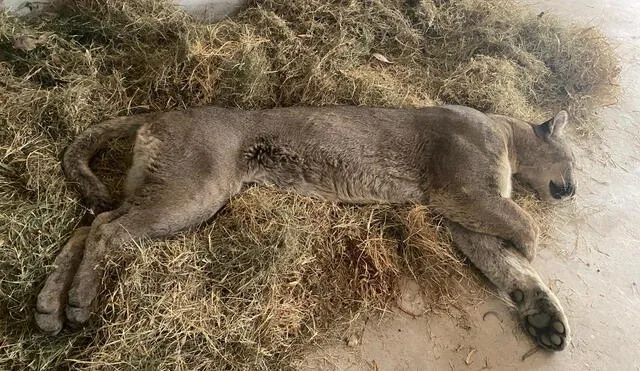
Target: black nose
<point x="561" y="191"/>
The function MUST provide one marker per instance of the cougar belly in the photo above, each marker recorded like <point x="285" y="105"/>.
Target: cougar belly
<point x="332" y="176"/>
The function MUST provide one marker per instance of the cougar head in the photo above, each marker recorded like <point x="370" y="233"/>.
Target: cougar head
<point x="547" y="163"/>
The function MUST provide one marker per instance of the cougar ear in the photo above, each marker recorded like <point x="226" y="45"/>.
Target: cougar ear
<point x="553" y="127"/>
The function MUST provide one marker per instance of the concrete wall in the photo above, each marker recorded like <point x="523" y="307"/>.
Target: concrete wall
<point x="208" y="10"/>
<point x="211" y="10"/>
<point x="23" y="7"/>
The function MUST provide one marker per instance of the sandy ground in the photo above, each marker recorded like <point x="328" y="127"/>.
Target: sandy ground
<point x="592" y="263"/>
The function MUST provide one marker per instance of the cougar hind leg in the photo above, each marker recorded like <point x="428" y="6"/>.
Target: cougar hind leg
<point x="539" y="309"/>
<point x="52" y="298"/>
<point x="160" y="214"/>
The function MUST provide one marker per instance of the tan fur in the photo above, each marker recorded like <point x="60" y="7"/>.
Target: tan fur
<point x="187" y="164"/>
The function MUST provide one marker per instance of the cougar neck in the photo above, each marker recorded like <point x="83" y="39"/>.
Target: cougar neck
<point x="521" y="138"/>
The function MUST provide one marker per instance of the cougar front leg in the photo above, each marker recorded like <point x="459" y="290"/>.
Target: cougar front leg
<point x="52" y="298"/>
<point x="540" y="312"/>
<point x="494" y="215"/>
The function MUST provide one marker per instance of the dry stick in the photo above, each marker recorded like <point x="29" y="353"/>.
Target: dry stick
<point x="531" y="352"/>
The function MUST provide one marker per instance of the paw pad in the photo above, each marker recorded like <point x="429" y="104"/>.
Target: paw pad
<point x="548" y="330"/>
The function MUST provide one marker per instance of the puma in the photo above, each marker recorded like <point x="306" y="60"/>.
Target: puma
<point x="187" y="164"/>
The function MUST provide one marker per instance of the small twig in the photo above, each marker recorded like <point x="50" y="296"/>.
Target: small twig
<point x="486" y="364"/>
<point x="468" y="360"/>
<point x="495" y="314"/>
<point x="531" y="352"/>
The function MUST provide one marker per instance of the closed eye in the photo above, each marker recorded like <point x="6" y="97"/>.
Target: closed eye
<point x="573" y="159"/>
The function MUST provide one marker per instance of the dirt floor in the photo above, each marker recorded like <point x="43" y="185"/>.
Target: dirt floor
<point x="592" y="264"/>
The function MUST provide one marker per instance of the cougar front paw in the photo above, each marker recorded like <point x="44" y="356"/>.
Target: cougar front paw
<point x="528" y="249"/>
<point x="528" y="243"/>
<point x="548" y="330"/>
<point x="543" y="319"/>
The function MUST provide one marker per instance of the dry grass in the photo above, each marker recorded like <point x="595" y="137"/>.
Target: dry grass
<point x="273" y="272"/>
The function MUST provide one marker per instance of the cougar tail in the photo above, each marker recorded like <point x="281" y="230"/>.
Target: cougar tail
<point x="77" y="156"/>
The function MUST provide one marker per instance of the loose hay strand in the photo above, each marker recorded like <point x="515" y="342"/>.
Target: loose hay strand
<point x="273" y="272"/>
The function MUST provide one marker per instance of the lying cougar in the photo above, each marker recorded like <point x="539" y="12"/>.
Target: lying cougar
<point x="187" y="164"/>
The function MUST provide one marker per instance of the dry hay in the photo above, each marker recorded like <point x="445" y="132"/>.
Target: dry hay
<point x="273" y="272"/>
